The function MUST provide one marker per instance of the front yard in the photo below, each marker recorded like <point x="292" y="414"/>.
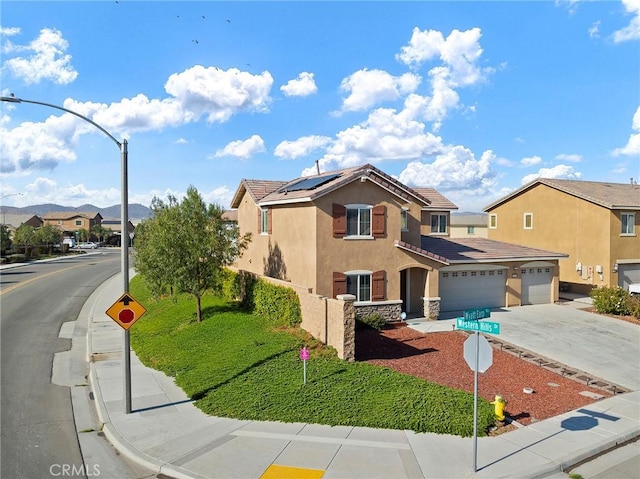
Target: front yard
<point x="235" y="364"/>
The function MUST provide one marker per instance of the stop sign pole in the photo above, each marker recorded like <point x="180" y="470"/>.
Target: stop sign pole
<point x="475" y="404"/>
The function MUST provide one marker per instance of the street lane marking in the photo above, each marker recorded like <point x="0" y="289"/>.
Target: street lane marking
<point x="285" y="472"/>
<point x="27" y="281"/>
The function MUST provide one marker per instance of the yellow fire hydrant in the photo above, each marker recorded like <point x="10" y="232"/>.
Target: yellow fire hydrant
<point x="499" y="403"/>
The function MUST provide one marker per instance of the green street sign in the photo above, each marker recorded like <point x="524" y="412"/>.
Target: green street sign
<point x="475" y="314"/>
<point x="480" y="326"/>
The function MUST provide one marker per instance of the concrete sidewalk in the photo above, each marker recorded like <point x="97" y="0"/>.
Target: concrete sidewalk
<point x="166" y="433"/>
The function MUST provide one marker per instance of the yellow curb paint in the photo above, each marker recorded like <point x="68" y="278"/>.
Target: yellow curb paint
<point x="285" y="472"/>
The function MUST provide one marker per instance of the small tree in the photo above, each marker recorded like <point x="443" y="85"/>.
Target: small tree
<point x="47" y="235"/>
<point x="5" y="239"/>
<point x="187" y="245"/>
<point x="25" y="236"/>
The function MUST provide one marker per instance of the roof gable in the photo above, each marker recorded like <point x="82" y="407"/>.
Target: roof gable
<point x="613" y="196"/>
<point x="310" y="188"/>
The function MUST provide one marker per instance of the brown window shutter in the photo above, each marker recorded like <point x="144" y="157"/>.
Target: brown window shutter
<point x="269" y="211"/>
<point x="378" y="286"/>
<point x="378" y="220"/>
<point x="339" y="221"/>
<point x="259" y="221"/>
<point x="339" y="284"/>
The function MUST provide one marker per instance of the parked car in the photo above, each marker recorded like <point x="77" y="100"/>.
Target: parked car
<point x="88" y="245"/>
<point x="69" y="241"/>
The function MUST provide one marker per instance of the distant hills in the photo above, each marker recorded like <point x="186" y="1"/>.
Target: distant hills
<point x="136" y="210"/>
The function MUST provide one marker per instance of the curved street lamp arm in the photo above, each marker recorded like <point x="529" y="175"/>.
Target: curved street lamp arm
<point x="20" y="100"/>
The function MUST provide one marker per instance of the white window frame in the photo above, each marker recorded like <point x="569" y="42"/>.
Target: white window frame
<point x="404" y="219"/>
<point x="439" y="225"/>
<point x="471" y="230"/>
<point x="526" y="216"/>
<point x="264" y="221"/>
<point x="78" y="222"/>
<point x="493" y="221"/>
<point x="360" y="278"/>
<point x="630" y="224"/>
<point x="360" y="209"/>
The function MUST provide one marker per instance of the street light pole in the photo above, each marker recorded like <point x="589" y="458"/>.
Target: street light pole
<point x="124" y="218"/>
<point x="4" y="212"/>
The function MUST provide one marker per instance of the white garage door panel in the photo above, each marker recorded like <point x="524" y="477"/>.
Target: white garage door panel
<point x="536" y="285"/>
<point x="628" y="274"/>
<point x="460" y="290"/>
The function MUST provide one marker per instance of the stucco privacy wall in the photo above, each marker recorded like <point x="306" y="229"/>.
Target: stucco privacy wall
<point x="331" y="321"/>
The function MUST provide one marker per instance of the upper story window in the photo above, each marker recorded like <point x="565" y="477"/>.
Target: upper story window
<point x="264" y="221"/>
<point x="528" y="221"/>
<point x="78" y="222"/>
<point x="493" y="221"/>
<point x="471" y="230"/>
<point x="628" y="224"/>
<point x="438" y="223"/>
<point x="404" y="219"/>
<point x="359" y="220"/>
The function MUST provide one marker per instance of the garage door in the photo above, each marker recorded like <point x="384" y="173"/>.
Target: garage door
<point x="460" y="290"/>
<point x="628" y="274"/>
<point x="536" y="285"/>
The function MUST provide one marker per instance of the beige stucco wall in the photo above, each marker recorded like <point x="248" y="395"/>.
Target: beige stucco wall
<point x="561" y="223"/>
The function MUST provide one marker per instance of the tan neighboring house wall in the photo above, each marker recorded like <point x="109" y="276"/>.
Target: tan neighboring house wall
<point x="581" y="219"/>
<point x="469" y="226"/>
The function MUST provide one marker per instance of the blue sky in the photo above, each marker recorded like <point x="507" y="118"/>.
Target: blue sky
<point x="471" y="98"/>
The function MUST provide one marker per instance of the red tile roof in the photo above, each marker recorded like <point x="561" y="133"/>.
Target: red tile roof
<point x="482" y="250"/>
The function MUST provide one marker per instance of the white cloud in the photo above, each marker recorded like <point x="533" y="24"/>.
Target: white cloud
<point x="455" y="169"/>
<point x="219" y="94"/>
<point x="47" y="190"/>
<point x="594" y="30"/>
<point x="460" y="53"/>
<point x="300" y="147"/>
<point x="367" y="88"/>
<point x="181" y="141"/>
<point x="197" y="92"/>
<point x="221" y="196"/>
<point x="565" y="172"/>
<point x="243" y="148"/>
<point x="571" y="158"/>
<point x="385" y="135"/>
<point x="304" y="85"/>
<point x="633" y="145"/>
<point x="38" y="146"/>
<point x="48" y="61"/>
<point x="531" y="161"/>
<point x="9" y="31"/>
<point x="631" y="31"/>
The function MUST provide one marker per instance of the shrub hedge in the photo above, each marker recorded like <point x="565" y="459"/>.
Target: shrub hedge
<point x="279" y="304"/>
<point x="610" y="300"/>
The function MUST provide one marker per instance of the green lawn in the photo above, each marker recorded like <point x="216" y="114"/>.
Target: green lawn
<point x="236" y="365"/>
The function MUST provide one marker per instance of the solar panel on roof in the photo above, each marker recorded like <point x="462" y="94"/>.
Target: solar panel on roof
<point x="309" y="183"/>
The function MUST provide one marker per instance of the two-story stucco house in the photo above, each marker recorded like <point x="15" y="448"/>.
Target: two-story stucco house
<point x="71" y="221"/>
<point x="595" y="223"/>
<point x="360" y="231"/>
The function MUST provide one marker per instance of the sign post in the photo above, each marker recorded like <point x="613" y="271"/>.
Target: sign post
<point x="479" y="356"/>
<point x="304" y="355"/>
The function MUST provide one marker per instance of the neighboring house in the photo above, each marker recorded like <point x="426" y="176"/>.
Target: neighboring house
<point x="115" y="225"/>
<point x="13" y="222"/>
<point x="71" y="221"/>
<point x="595" y="223"/>
<point x="361" y="232"/>
<point x="469" y="225"/>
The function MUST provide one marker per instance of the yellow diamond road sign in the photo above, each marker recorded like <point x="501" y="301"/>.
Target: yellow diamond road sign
<point x="126" y="311"/>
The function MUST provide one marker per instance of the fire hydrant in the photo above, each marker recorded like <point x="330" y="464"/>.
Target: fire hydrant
<point x="499" y="403"/>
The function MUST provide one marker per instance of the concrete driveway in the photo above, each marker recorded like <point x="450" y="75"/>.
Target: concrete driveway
<point x="605" y="347"/>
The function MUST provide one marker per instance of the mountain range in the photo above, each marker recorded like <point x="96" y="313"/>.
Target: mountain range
<point x="136" y="210"/>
